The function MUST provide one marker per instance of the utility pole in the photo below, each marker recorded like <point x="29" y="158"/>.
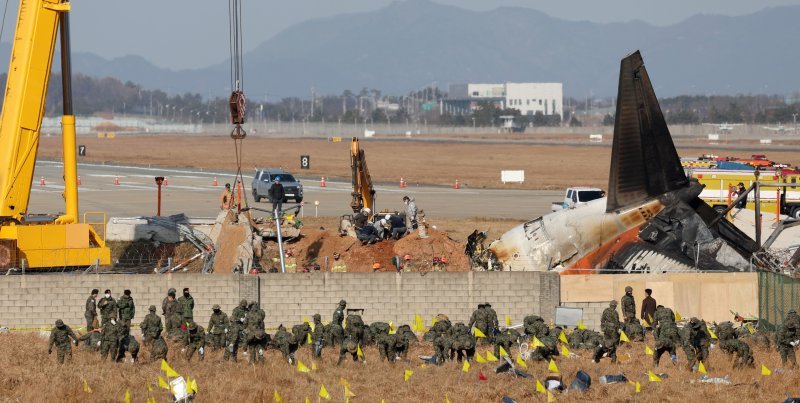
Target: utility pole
<point x="794" y="116"/>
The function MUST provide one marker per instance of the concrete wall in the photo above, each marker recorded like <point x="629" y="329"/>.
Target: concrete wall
<point x="710" y="296"/>
<point x="38" y="300"/>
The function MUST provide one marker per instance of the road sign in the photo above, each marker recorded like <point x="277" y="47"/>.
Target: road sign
<point x="305" y="162"/>
<point x="81" y="150"/>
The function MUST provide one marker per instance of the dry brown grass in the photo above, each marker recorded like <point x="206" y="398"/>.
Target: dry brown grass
<point x="29" y="374"/>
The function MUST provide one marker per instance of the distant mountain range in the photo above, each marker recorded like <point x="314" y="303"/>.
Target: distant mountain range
<point x="410" y="44"/>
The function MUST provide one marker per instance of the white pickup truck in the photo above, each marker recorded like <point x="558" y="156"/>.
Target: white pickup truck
<point x="577" y="196"/>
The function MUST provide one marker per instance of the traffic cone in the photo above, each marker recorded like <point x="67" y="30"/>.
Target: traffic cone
<point x="116" y="180"/>
<point x="455" y="185"/>
<point x="165" y="182"/>
<point x="79" y="180"/>
<point x="322" y="182"/>
<point x="41" y="181"/>
<point x="402" y="183"/>
<point x="215" y="181"/>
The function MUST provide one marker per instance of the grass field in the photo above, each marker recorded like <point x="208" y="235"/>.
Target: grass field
<point x="29" y="374"/>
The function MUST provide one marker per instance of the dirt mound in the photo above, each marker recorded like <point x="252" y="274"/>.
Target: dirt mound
<point x="230" y="238"/>
<point x="314" y="245"/>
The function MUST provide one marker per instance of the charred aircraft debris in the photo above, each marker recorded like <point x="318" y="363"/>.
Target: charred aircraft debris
<point x="651" y="220"/>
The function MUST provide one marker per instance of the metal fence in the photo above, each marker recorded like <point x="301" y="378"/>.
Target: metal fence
<point x="777" y="294"/>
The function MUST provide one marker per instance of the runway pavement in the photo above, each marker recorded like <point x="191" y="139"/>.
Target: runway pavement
<point x="192" y="192"/>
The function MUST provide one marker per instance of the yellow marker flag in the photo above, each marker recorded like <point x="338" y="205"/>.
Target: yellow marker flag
<point x="348" y="393"/>
<point x="344" y="382"/>
<point x="168" y="370"/>
<point x="302" y="367"/>
<point x="638" y="387"/>
<point x="479" y="359"/>
<point x="276" y="397"/>
<point x="508" y="320"/>
<point x="433" y="320"/>
<point x="580" y="325"/>
<point x="446" y="398"/>
<point x="408" y="374"/>
<point x="127" y="396"/>
<point x="539" y="387"/>
<point x="308" y="400"/>
<point x="193" y="386"/>
<point x="550" y="397"/>
<point x="711" y="332"/>
<point x="552" y="367"/>
<point x="86" y="387"/>
<point x="521" y="362"/>
<point x="478" y="333"/>
<point x="465" y="367"/>
<point x="305" y="320"/>
<point x="701" y="368"/>
<point x="308" y="338"/>
<point x="344" y="323"/>
<point x="624" y="337"/>
<point x="537" y="342"/>
<point x="490" y="357"/>
<point x="418" y="320"/>
<point x="564" y="351"/>
<point x="653" y="377"/>
<point x="648" y="350"/>
<point x="677" y="315"/>
<point x="359" y="352"/>
<point x="313" y="366"/>
<point x="149" y="388"/>
<point x="751" y="329"/>
<point x="650" y="318"/>
<point x="503" y="352"/>
<point x="765" y="371"/>
<point x="563" y="337"/>
<point x="323" y="393"/>
<point x="162" y="383"/>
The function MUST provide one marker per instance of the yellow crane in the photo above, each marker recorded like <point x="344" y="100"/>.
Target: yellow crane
<point x="61" y="241"/>
<point x="363" y="191"/>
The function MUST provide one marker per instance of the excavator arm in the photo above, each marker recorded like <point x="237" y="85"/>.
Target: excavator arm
<point x="363" y="191"/>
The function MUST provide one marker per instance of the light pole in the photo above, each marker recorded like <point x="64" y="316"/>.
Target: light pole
<point x="794" y="116"/>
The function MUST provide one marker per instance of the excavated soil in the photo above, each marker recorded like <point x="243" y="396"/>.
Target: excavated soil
<point x="230" y="237"/>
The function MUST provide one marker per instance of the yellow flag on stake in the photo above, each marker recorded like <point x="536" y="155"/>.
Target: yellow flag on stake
<point x="563" y="337"/>
<point x="86" y="387"/>
<point x="446" y="398"/>
<point x="765" y="371"/>
<point x="711" y="332"/>
<point x="479" y="359"/>
<point x="478" y="333"/>
<point x="465" y="367"/>
<point x="162" y="383"/>
<point x="550" y="397"/>
<point x="521" y="362"/>
<point x="276" y="397"/>
<point x="418" y="320"/>
<point x="536" y="342"/>
<point x="308" y="338"/>
<point x="168" y="370"/>
<point x="648" y="350"/>
<point x="552" y="367"/>
<point x="344" y="382"/>
<point x="677" y="315"/>
<point x="701" y="368"/>
<point x="751" y="329"/>
<point x="348" y="393"/>
<point x="503" y="352"/>
<point x="653" y="377"/>
<point x="149" y="388"/>
<point x="359" y="352"/>
<point x="323" y="393"/>
<point x="490" y="357"/>
<point x="127" y="396"/>
<point x="193" y="386"/>
<point x="313" y="366"/>
<point x="638" y="387"/>
<point x="580" y="325"/>
<point x="564" y="351"/>
<point x="302" y="367"/>
<point x="508" y="320"/>
<point x="308" y="400"/>
<point x="649" y="318"/>
<point x="407" y="374"/>
<point x="539" y="387"/>
<point x="624" y="337"/>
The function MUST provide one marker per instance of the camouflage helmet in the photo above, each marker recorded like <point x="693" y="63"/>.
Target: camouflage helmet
<point x="317" y="317"/>
<point x="152" y="308"/>
<point x="628" y="289"/>
<point x="281" y="327"/>
<point x="171" y="291"/>
<point x="613" y="304"/>
<point x="792" y="312"/>
<point x="342" y="303"/>
<point x="352" y="346"/>
<point x="215" y="307"/>
<point x="694" y="322"/>
<point x="243" y="303"/>
<point x="254" y="306"/>
<point x="59" y="323"/>
<point x="192" y="326"/>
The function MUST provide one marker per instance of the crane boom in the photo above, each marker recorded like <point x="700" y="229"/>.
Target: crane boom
<point x="62" y="241"/>
<point x="363" y="191"/>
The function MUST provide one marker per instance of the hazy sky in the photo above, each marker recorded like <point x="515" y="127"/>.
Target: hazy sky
<point x="182" y="34"/>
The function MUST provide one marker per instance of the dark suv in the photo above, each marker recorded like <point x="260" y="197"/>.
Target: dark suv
<point x="263" y="180"/>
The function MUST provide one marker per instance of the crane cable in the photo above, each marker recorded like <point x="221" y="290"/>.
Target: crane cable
<point x="237" y="102"/>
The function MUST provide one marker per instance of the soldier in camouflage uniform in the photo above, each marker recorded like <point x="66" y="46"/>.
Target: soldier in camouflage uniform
<point x="696" y="341"/>
<point x="301" y="333"/>
<point x="442" y="326"/>
<point x="349" y="346"/>
<point x="792" y="316"/>
<point x="479" y="319"/>
<point x="492" y="323"/>
<point x="585" y="338"/>
<point x="668" y="341"/>
<point x="127" y="344"/>
<point x="441" y="347"/>
<point x="90" y="310"/>
<point x="730" y="344"/>
<point x="463" y="346"/>
<point x="317" y="337"/>
<point x="355" y="328"/>
<point x="233" y="339"/>
<point x="534" y="326"/>
<point x="195" y="340"/>
<point x="171" y="310"/>
<point x="407" y="334"/>
<point x="662" y="315"/>
<point x="60" y="336"/>
<point x="390" y="346"/>
<point x="218" y="327"/>
<point x="786" y="339"/>
<point x="151" y="326"/>
<point x="187" y="306"/>
<point x="126" y="308"/>
<point x="238" y="317"/>
<point x="93" y="340"/>
<point x="550" y="348"/>
<point x="631" y="325"/>
<point x="257" y="340"/>
<point x="335" y="330"/>
<point x="610" y="325"/>
<point x="108" y="307"/>
<point x="159" y="350"/>
<point x="286" y="343"/>
<point x="505" y="339"/>
<point x="112" y="333"/>
<point x="375" y="329"/>
<point x="255" y="316"/>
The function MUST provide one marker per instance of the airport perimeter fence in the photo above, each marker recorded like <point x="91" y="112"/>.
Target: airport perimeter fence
<point x="777" y="294"/>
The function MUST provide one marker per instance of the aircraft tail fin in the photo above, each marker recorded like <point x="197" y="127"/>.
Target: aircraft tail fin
<point x="644" y="162"/>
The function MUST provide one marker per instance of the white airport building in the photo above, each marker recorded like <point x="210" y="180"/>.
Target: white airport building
<point x="528" y="98"/>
